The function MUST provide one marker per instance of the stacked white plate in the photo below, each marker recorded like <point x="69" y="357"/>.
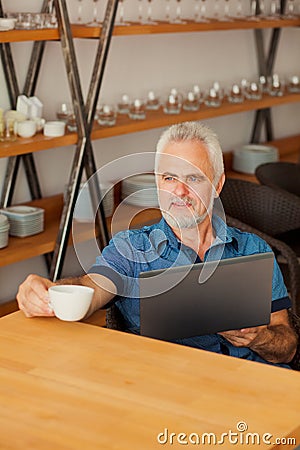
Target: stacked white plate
<point x="140" y="190"/>
<point x="4" y="227"/>
<point x="84" y="212"/>
<point x="24" y="220"/>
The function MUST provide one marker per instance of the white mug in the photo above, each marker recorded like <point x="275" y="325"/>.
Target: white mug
<point x="70" y="302"/>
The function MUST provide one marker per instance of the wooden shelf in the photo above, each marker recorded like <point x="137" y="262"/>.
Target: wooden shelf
<point x="80" y="31"/>
<point x="37" y="143"/>
<point x="155" y="119"/>
<point x="19" y="249"/>
<point x="86" y="32"/>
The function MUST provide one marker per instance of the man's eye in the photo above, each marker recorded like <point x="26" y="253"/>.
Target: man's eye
<point x="169" y="178"/>
<point x="193" y="180"/>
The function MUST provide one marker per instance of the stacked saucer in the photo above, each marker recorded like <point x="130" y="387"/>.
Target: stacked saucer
<point x="24" y="220"/>
<point x="140" y="190"/>
<point x="4" y="227"/>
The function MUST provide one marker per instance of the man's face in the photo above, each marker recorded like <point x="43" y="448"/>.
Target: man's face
<point x="185" y="184"/>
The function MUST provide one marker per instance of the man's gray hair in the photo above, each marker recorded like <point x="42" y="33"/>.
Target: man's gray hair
<point x="194" y="131"/>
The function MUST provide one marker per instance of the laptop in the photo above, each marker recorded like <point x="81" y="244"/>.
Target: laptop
<point x="238" y="294"/>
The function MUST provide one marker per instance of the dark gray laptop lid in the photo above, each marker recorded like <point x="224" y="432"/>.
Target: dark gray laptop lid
<point x="237" y="295"/>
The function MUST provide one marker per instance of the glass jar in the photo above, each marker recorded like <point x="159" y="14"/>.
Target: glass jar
<point x="253" y="91"/>
<point x="152" y="102"/>
<point x="213" y="99"/>
<point x="190" y="103"/>
<point x="106" y="115"/>
<point x="124" y="104"/>
<point x="172" y="105"/>
<point x="235" y="94"/>
<point x="137" y="110"/>
<point x="293" y="84"/>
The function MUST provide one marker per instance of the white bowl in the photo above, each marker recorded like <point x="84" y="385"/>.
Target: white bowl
<point x="8" y="23"/>
<point x="54" y="128"/>
<point x="26" y="129"/>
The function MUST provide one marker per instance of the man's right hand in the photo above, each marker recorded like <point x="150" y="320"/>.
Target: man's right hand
<point x="33" y="297"/>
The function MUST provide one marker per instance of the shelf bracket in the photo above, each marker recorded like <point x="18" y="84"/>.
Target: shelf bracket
<point x="84" y="117"/>
<point x="265" y="65"/>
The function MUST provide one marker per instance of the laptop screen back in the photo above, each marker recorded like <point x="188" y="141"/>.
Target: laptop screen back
<point x="237" y="295"/>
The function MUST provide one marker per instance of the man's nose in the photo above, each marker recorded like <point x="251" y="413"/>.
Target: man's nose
<point x="181" y="188"/>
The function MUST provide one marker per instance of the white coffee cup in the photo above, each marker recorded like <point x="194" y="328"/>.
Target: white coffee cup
<point x="26" y="128"/>
<point x="70" y="302"/>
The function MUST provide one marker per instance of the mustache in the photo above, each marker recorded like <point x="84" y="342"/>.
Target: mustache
<point x="182" y="201"/>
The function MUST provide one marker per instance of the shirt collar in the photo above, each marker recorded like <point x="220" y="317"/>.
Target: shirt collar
<point x="224" y="234"/>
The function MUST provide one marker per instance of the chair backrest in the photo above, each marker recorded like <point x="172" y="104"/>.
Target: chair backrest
<point x="281" y="174"/>
<point x="269" y="210"/>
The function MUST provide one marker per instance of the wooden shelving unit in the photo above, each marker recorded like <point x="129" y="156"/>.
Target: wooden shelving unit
<point x="86" y="32"/>
<point x="23" y="248"/>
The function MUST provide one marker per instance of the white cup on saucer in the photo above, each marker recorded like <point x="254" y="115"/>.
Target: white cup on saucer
<point x="70" y="302"/>
<point x="26" y="128"/>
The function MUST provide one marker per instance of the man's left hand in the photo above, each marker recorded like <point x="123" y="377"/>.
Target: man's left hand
<point x="244" y="337"/>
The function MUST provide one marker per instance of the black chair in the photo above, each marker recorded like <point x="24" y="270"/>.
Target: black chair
<point x="268" y="213"/>
<point x="280" y="175"/>
<point x="274" y="213"/>
<point x="284" y="177"/>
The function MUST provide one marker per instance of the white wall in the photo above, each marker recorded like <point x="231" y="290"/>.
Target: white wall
<point x="135" y="65"/>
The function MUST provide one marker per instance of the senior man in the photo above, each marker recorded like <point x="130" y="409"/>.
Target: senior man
<point x="190" y="175"/>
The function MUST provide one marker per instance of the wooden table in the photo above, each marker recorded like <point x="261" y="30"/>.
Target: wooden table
<point x="77" y="386"/>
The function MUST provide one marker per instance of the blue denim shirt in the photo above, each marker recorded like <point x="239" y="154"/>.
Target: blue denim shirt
<point x="156" y="247"/>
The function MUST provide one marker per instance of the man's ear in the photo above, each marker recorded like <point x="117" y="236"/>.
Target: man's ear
<point x="220" y="185"/>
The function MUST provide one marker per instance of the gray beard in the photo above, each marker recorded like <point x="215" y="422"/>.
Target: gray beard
<point x="184" y="221"/>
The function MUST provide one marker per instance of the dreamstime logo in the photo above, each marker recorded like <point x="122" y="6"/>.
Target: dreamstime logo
<point x="126" y="248"/>
<point x="240" y="436"/>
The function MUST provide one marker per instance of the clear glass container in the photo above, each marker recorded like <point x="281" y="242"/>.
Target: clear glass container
<point x="152" y="102"/>
<point x="190" y="103"/>
<point x="137" y="110"/>
<point x="124" y="104"/>
<point x="198" y="93"/>
<point x="212" y="98"/>
<point x="275" y="86"/>
<point x="106" y="115"/>
<point x="263" y="84"/>
<point x="220" y="91"/>
<point x="172" y="105"/>
<point x="253" y="91"/>
<point x="293" y="84"/>
<point x="235" y="94"/>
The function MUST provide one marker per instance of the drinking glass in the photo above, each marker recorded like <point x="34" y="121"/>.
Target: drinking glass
<point x="216" y="10"/>
<point x="253" y="7"/>
<point x="79" y="12"/>
<point x="95" y="22"/>
<point x="274" y="10"/>
<point x="239" y="14"/>
<point x="200" y="17"/>
<point x="178" y="18"/>
<point x="226" y="17"/>
<point x="262" y="11"/>
<point x="149" y="20"/>
<point x="121" y="21"/>
<point x="167" y="12"/>
<point x="290" y="8"/>
<point x="140" y="14"/>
